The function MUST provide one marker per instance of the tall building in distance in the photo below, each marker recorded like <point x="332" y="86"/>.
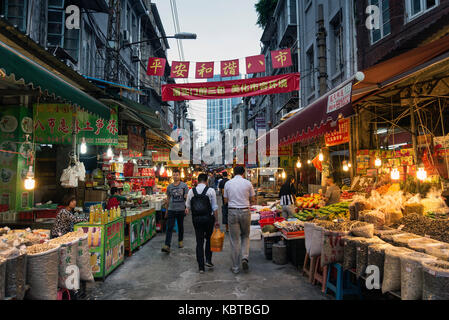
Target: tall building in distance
<point x="219" y="112"/>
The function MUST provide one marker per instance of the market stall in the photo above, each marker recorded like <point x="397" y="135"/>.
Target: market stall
<point x="33" y="267"/>
<point x="105" y="233"/>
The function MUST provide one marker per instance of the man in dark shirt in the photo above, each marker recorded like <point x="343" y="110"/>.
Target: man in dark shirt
<point x="224" y="207"/>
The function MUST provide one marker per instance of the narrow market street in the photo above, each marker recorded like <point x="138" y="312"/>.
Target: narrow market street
<point x="151" y="274"/>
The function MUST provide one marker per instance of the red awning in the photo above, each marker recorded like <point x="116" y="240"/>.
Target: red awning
<point x="400" y="67"/>
<point x="316" y="119"/>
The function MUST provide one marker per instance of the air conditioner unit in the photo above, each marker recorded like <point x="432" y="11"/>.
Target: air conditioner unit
<point x="284" y="112"/>
<point x="126" y="36"/>
<point x="135" y="55"/>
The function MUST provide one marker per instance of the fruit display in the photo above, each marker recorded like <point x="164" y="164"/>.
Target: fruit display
<point x="346" y="195"/>
<point x="305" y="215"/>
<point x="309" y="201"/>
<point x="290" y="226"/>
<point x="336" y="211"/>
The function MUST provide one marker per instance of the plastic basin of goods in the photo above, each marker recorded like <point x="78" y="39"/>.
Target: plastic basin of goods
<point x="269" y="221"/>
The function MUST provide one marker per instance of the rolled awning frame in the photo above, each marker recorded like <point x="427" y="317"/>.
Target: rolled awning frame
<point x="18" y="68"/>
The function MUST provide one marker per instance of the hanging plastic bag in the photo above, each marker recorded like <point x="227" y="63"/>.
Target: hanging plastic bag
<point x="69" y="178"/>
<point x="81" y="171"/>
<point x="216" y="241"/>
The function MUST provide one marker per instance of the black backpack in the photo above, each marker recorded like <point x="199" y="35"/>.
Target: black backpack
<point x="200" y="204"/>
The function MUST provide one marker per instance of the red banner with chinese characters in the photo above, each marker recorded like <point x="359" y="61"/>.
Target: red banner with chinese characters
<point x="231" y="89"/>
<point x="281" y="58"/>
<point x="255" y="64"/>
<point x="180" y="69"/>
<point x="156" y="67"/>
<point x="340" y="136"/>
<point x="204" y="70"/>
<point x="230" y="68"/>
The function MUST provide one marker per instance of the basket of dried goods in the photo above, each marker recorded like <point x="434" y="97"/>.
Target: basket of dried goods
<point x="16" y="268"/>
<point x="68" y="251"/>
<point x="42" y="271"/>
<point x="436" y="280"/>
<point x="377" y="218"/>
<point x="376" y="256"/>
<point x="362" y="229"/>
<point x="333" y="247"/>
<point x="402" y="240"/>
<point x="440" y="251"/>
<point x="350" y="252"/>
<point x="392" y="269"/>
<point x="362" y="254"/>
<point x="2" y="278"/>
<point x="412" y="275"/>
<point x="420" y="244"/>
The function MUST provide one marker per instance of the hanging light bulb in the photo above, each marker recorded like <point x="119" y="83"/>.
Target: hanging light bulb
<point x="349" y="165"/>
<point x="321" y="157"/>
<point x="298" y="164"/>
<point x="309" y="161"/>
<point x="395" y="175"/>
<point x="162" y="169"/>
<point x="169" y="173"/>
<point x="120" y="158"/>
<point x="378" y="162"/>
<point x="109" y="153"/>
<point x="345" y="166"/>
<point x="30" y="183"/>
<point x="183" y="175"/>
<point x="284" y="175"/>
<point x="421" y="174"/>
<point x="83" y="148"/>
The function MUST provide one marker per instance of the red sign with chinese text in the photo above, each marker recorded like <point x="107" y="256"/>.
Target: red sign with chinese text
<point x="281" y="58"/>
<point x="255" y="64"/>
<point x="204" y="70"/>
<point x="156" y="67"/>
<point x="340" y="136"/>
<point x="231" y="89"/>
<point x="180" y="69"/>
<point x="230" y="68"/>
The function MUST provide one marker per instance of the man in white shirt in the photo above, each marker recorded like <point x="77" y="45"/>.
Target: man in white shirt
<point x="202" y="203"/>
<point x="239" y="195"/>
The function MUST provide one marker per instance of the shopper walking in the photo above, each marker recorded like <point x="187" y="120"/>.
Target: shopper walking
<point x="202" y="203"/>
<point x="211" y="181"/>
<point x="287" y="195"/>
<point x="239" y="195"/>
<point x="224" y="207"/>
<point x="176" y="210"/>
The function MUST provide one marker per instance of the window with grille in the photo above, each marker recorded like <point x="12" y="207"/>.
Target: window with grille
<point x="57" y="34"/>
<point x="337" y="44"/>
<point x="384" y="23"/>
<point x="416" y="8"/>
<point x="15" y="11"/>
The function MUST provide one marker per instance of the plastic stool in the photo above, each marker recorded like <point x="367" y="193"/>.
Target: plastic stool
<point x="308" y="268"/>
<point x="63" y="294"/>
<point x="343" y="286"/>
<point x="320" y="274"/>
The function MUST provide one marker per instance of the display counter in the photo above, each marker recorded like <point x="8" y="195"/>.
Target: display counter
<point x="106" y="245"/>
<point x="140" y="228"/>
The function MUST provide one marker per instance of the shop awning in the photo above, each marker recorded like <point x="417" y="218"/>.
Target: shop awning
<point x="398" y="68"/>
<point x="146" y="114"/>
<point x="20" y="68"/>
<point x="317" y="118"/>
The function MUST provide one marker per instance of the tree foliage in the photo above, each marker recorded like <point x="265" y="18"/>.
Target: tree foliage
<point x="265" y="10"/>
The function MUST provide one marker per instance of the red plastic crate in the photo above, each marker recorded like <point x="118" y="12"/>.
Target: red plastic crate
<point x="267" y="222"/>
<point x="26" y="216"/>
<point x="45" y="214"/>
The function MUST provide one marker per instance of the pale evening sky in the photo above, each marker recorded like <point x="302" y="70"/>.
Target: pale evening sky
<point x="226" y="30"/>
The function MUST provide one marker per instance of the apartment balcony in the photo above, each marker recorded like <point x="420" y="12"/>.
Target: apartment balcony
<point x="286" y="22"/>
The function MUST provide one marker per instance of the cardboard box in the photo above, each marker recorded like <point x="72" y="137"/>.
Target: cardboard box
<point x="95" y="195"/>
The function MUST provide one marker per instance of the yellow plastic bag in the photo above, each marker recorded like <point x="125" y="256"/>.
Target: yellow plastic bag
<point x="216" y="241"/>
